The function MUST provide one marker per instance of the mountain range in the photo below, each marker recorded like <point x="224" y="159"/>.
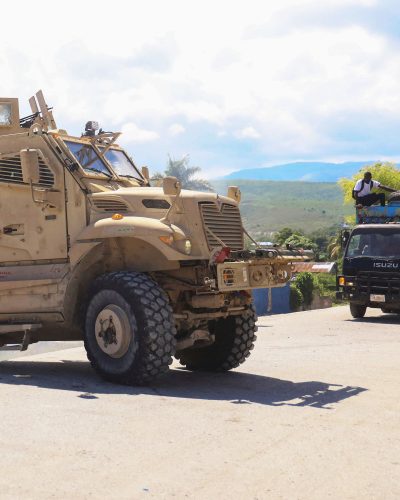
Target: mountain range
<point x="302" y="171"/>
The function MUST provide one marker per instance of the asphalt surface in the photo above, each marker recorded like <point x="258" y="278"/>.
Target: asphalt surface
<point x="313" y="414"/>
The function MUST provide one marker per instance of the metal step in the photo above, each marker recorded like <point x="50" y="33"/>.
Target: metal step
<point x="26" y="328"/>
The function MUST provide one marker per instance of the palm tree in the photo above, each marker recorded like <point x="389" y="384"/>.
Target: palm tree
<point x="335" y="246"/>
<point x="185" y="174"/>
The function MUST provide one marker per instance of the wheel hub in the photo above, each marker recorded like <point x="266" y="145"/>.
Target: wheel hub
<point x="113" y="331"/>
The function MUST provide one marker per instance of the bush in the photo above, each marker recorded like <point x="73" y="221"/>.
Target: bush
<point x="306" y="284"/>
<point x="296" y="298"/>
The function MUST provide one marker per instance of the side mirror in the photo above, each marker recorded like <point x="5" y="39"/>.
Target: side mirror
<point x="30" y="166"/>
<point x="234" y="193"/>
<point x="146" y="174"/>
<point x="345" y="239"/>
<point x="171" y="186"/>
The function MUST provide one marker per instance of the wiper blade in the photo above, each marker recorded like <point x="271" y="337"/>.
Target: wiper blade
<point x="129" y="176"/>
<point x="98" y="171"/>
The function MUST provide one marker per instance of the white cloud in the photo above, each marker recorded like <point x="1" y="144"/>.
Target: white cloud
<point x="132" y="133"/>
<point x="248" y="133"/>
<point x="176" y="129"/>
<point x="300" y="88"/>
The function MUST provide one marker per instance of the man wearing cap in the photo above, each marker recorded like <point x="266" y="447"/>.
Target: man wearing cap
<point x="362" y="191"/>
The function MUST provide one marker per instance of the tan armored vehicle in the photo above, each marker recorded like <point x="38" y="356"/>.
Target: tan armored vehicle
<point x="88" y="250"/>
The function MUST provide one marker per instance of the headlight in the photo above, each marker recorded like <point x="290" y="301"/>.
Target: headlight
<point x="188" y="247"/>
<point x="342" y="281"/>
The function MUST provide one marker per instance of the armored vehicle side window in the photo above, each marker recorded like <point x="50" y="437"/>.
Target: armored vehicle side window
<point x="121" y="164"/>
<point x="88" y="158"/>
<point x="5" y="115"/>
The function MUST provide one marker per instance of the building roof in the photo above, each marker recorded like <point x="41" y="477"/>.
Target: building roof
<point x="314" y="267"/>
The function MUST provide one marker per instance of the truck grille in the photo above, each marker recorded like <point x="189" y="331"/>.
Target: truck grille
<point x="224" y="224"/>
<point x="368" y="283"/>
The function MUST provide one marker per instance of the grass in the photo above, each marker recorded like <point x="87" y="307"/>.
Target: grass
<point x="268" y="206"/>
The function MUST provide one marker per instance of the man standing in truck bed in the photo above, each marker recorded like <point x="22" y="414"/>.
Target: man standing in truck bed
<point x="362" y="191"/>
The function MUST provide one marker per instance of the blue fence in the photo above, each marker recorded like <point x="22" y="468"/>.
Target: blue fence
<point x="280" y="300"/>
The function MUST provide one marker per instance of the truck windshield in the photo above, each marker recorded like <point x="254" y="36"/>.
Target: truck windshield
<point x="88" y="158"/>
<point x="374" y="243"/>
<point x="122" y="164"/>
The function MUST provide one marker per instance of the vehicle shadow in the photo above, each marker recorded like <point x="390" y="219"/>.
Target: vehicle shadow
<point x="389" y="319"/>
<point x="235" y="387"/>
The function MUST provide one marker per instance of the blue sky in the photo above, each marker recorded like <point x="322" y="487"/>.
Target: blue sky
<point x="233" y="84"/>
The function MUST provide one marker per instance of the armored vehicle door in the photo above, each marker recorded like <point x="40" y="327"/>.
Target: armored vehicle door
<point x="32" y="196"/>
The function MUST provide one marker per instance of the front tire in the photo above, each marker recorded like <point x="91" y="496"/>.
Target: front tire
<point x="129" y="329"/>
<point x="357" y="310"/>
<point x="234" y="340"/>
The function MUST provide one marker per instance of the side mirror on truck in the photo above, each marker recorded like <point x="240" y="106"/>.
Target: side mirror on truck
<point x="345" y="239"/>
<point x="31" y="175"/>
<point x="30" y="166"/>
<point x="171" y="186"/>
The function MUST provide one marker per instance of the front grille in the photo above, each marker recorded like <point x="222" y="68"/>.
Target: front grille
<point x="367" y="283"/>
<point x="11" y="171"/>
<point x="222" y="223"/>
<point x="109" y="205"/>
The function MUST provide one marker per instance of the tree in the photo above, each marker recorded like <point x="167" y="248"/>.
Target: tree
<point x="335" y="246"/>
<point x="301" y="241"/>
<point x="305" y="283"/>
<point x="283" y="234"/>
<point x="386" y="173"/>
<point x="185" y="174"/>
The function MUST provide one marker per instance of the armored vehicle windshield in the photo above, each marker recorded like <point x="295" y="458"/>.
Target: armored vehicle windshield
<point x="88" y="158"/>
<point x="121" y="164"/>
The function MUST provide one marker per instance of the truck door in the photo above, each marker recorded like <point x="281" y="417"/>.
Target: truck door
<point x="32" y="216"/>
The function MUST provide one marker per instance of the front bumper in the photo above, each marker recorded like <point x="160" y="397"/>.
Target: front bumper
<point x="254" y="273"/>
<point x="370" y="290"/>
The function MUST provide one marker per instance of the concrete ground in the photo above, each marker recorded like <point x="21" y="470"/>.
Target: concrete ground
<point x="313" y="414"/>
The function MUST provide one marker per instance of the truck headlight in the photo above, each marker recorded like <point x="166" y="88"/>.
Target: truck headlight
<point x="188" y="247"/>
<point x="342" y="281"/>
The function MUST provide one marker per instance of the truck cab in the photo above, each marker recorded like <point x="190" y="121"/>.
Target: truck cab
<point x="371" y="262"/>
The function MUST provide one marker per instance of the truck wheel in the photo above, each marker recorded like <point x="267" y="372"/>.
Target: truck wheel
<point x="234" y="339"/>
<point x="357" y="310"/>
<point x="394" y="196"/>
<point x="129" y="329"/>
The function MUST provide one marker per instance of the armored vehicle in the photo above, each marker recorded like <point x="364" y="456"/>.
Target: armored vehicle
<point x="89" y="250"/>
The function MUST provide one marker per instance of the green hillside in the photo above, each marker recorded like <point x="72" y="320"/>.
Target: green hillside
<point x="270" y="205"/>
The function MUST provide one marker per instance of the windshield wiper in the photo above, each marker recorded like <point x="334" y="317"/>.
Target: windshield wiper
<point x="130" y="176"/>
<point x="98" y="171"/>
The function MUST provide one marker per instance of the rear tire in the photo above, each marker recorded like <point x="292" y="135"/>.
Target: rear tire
<point x="234" y="340"/>
<point x="129" y="329"/>
<point x="357" y="310"/>
<point x="394" y="196"/>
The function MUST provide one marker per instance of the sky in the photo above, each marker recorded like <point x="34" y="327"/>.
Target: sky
<point x="232" y="84"/>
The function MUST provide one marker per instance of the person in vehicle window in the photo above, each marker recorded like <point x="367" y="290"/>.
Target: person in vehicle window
<point x="362" y="191"/>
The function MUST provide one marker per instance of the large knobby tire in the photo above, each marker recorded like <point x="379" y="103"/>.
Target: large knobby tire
<point x="234" y="339"/>
<point x="357" y="310"/>
<point x="395" y="197"/>
<point x="129" y="328"/>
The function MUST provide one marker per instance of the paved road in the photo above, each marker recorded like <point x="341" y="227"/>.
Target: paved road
<point x="313" y="414"/>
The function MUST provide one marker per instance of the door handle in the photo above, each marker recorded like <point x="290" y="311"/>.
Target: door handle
<point x="14" y="229"/>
